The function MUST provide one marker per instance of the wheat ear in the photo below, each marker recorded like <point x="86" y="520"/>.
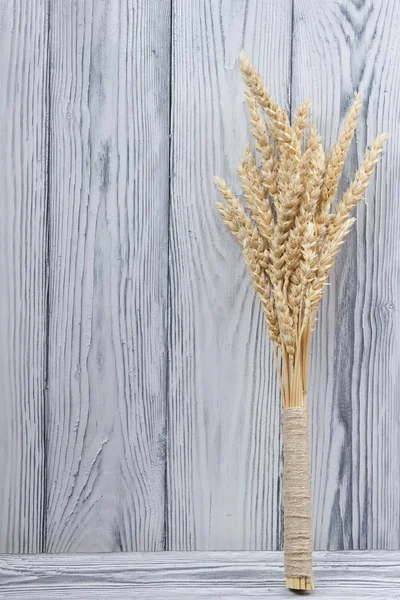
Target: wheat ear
<point x="290" y="233"/>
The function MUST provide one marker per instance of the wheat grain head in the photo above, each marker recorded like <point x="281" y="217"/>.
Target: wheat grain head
<point x="292" y="229"/>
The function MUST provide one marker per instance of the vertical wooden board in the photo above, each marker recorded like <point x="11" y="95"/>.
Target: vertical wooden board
<point x="223" y="465"/>
<point x="340" y="47"/>
<point x="108" y="275"/>
<point x="23" y="228"/>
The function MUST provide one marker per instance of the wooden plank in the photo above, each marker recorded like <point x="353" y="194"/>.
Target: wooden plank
<point x="108" y="274"/>
<point x="338" y="48"/>
<point x="178" y="575"/>
<point x="224" y="469"/>
<point x="23" y="235"/>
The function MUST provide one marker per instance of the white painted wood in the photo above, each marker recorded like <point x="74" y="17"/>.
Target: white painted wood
<point x="340" y="47"/>
<point x="99" y="96"/>
<point x="23" y="199"/>
<point x="109" y="90"/>
<point x="224" y="463"/>
<point x="199" y="575"/>
<point x="223" y="460"/>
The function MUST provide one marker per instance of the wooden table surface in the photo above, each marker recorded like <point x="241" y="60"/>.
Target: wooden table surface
<point x="196" y="575"/>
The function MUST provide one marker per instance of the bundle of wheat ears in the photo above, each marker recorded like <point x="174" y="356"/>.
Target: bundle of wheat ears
<point x="290" y="234"/>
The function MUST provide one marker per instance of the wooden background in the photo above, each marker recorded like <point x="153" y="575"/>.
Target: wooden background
<point x="139" y="403"/>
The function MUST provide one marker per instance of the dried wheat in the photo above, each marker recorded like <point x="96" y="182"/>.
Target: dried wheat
<point x="292" y="230"/>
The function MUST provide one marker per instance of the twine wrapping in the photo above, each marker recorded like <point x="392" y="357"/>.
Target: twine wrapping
<point x="297" y="493"/>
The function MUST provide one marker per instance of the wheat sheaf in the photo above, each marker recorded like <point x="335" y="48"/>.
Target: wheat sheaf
<point x="290" y="227"/>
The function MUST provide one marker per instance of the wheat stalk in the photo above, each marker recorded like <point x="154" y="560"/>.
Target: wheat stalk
<point x="293" y="227"/>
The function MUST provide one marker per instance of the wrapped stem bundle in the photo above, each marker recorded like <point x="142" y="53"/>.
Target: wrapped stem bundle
<point x="290" y="232"/>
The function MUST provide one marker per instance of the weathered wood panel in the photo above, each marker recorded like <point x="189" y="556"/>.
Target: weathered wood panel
<point x="338" y="48"/>
<point x="101" y="101"/>
<point x="109" y="165"/>
<point x="23" y="231"/>
<point x="200" y="575"/>
<point x="224" y="467"/>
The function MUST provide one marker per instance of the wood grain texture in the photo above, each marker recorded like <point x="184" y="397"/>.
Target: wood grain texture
<point x="338" y="48"/>
<point x="23" y="231"/>
<point x="108" y="274"/>
<point x="200" y="575"/>
<point x="89" y="222"/>
<point x="224" y="451"/>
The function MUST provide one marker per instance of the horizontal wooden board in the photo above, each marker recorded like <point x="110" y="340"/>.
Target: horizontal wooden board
<point x="199" y="575"/>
